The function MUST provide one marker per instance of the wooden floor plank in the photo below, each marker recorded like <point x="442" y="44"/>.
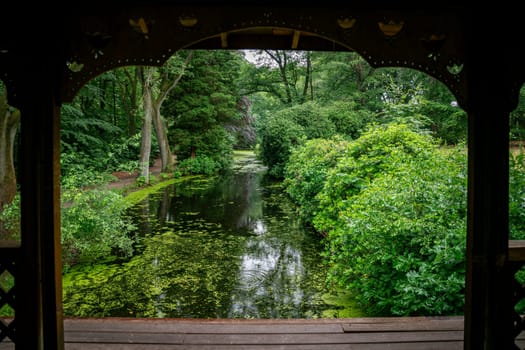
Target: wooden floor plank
<point x="177" y="326"/>
<point x="413" y="333"/>
<point x="400" y="346"/>
<point x="261" y="338"/>
<point x="435" y="325"/>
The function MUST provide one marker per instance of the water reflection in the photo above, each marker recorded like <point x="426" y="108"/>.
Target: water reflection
<point x="228" y="248"/>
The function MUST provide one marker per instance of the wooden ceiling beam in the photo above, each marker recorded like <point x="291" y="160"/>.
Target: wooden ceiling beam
<point x="224" y="40"/>
<point x="238" y="41"/>
<point x="295" y="39"/>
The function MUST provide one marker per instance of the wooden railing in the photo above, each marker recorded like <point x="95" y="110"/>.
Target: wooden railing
<point x="9" y="251"/>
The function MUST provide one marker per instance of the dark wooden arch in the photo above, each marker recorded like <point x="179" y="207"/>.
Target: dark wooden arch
<point x="476" y="53"/>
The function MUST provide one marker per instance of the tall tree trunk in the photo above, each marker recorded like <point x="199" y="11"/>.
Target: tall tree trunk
<point x="163" y="84"/>
<point x="161" y="130"/>
<point x="307" y="77"/>
<point x="166" y="85"/>
<point x="145" y="143"/>
<point x="9" y="121"/>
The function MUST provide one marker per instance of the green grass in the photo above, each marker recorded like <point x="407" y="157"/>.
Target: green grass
<point x="141" y="194"/>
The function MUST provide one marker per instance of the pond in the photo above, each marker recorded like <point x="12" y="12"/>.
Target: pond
<point x="229" y="247"/>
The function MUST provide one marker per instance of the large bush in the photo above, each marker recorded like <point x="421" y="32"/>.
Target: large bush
<point x="349" y="118"/>
<point x="400" y="245"/>
<point x="392" y="205"/>
<point x="311" y="117"/>
<point x="376" y="152"/>
<point x="278" y="136"/>
<point x="94" y="226"/>
<point x="306" y="172"/>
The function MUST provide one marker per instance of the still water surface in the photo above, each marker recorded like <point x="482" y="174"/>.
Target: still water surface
<point x="231" y="247"/>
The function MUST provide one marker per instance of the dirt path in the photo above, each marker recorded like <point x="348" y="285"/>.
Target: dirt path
<point x="126" y="178"/>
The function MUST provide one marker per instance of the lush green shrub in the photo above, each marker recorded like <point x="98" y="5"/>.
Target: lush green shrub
<point x="348" y="117"/>
<point x="124" y="155"/>
<point x="393" y="207"/>
<point x="311" y="117"/>
<point x="214" y="143"/>
<point x="77" y="173"/>
<point x="94" y="226"/>
<point x="278" y="136"/>
<point x="376" y="152"/>
<point x="400" y="244"/>
<point x="198" y="165"/>
<point x="307" y="169"/>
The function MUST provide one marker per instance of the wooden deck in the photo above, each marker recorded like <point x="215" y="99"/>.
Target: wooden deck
<point x="405" y="333"/>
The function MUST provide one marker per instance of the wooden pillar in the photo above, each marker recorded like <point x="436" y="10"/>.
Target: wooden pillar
<point x="488" y="309"/>
<point x="39" y="286"/>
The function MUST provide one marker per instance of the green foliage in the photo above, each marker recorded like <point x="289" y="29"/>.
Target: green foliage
<point x="10" y="220"/>
<point x="517" y="118"/>
<point x="81" y="131"/>
<point x="347" y="117"/>
<point x="346" y="76"/>
<point x="77" y="174"/>
<point x="309" y="120"/>
<point x="307" y="170"/>
<point x="517" y="195"/>
<point x="198" y="165"/>
<point x="376" y="152"/>
<point x="124" y="155"/>
<point x="447" y="122"/>
<point x="205" y="100"/>
<point x="86" y="124"/>
<point x="94" y="226"/>
<point x="279" y="136"/>
<point x="311" y="117"/>
<point x="400" y="245"/>
<point x="392" y="206"/>
<point x="517" y="205"/>
<point x="279" y="75"/>
<point x="215" y="144"/>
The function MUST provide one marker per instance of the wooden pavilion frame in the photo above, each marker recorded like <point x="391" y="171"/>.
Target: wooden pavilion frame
<point x="48" y="54"/>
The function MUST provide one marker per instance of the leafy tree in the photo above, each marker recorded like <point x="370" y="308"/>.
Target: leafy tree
<point x="157" y="83"/>
<point x="127" y="79"/>
<point x="410" y="96"/>
<point x="243" y="129"/>
<point x="286" y="75"/>
<point x="346" y="76"/>
<point x="206" y="99"/>
<point x="88" y="130"/>
<point x="391" y="94"/>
